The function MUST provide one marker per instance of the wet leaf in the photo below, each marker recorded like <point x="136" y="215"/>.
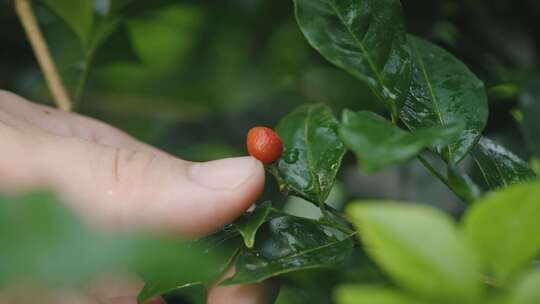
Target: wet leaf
<point x="377" y="142"/>
<point x="249" y="223"/>
<point x="288" y="243"/>
<point x="500" y="167"/>
<point x="444" y="91"/>
<point x="363" y="37"/>
<point x="312" y="152"/>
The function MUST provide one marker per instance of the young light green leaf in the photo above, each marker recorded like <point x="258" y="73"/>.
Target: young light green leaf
<point x="378" y="143"/>
<point x="288" y="243"/>
<point x="363" y="37"/>
<point x="502" y="228"/>
<point x="499" y="166"/>
<point x="530" y="105"/>
<point x="444" y="91"/>
<point x="248" y="224"/>
<point x="526" y="290"/>
<point x="78" y="15"/>
<point x="224" y="242"/>
<point x="420" y="248"/>
<point x="355" y="294"/>
<point x="312" y="152"/>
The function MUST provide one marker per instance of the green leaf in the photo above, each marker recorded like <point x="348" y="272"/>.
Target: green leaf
<point x="358" y="294"/>
<point x="103" y="29"/>
<point x="500" y="167"/>
<point x="195" y="293"/>
<point x="503" y="227"/>
<point x="46" y="244"/>
<point x="248" y="224"/>
<point x="377" y="143"/>
<point x="116" y="46"/>
<point x="420" y="248"/>
<point x="444" y="91"/>
<point x="530" y="105"/>
<point x="78" y="15"/>
<point x="225" y="242"/>
<point x="312" y="152"/>
<point x="363" y="37"/>
<point x="526" y="290"/>
<point x="288" y="243"/>
<point x="41" y="230"/>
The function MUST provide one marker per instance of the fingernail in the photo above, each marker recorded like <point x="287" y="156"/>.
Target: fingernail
<point x="223" y="174"/>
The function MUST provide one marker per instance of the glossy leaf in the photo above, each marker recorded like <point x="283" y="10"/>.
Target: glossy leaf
<point x="420" y="248"/>
<point x="363" y="37"/>
<point x="312" y="152"/>
<point x="78" y="15"/>
<point x="288" y="243"/>
<point x="377" y="143"/>
<point x="526" y="290"/>
<point x="500" y="167"/>
<point x="248" y="224"/>
<point x="225" y="242"/>
<point x="357" y="294"/>
<point x="530" y="106"/>
<point x="502" y="228"/>
<point x="444" y="91"/>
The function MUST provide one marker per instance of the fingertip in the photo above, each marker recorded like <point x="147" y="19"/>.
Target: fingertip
<point x="227" y="173"/>
<point x="231" y="186"/>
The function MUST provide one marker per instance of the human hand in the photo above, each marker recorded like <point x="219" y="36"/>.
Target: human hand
<point x="112" y="180"/>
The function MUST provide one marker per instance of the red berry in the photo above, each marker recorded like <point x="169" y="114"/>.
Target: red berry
<point x="264" y="144"/>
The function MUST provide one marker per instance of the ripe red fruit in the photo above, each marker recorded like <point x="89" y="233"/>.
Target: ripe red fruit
<point x="264" y="144"/>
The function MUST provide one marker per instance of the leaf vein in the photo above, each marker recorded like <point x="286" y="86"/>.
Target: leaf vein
<point x="431" y="92"/>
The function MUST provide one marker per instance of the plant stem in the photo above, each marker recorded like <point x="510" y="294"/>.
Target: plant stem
<point x="23" y="9"/>
<point x="432" y="170"/>
<point x="81" y="83"/>
<point x="443" y="179"/>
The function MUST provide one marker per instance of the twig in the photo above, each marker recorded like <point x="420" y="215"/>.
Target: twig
<point x="42" y="53"/>
<point x="432" y="170"/>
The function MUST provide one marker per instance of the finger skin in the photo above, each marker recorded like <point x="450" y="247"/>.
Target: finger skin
<point x="114" y="181"/>
<point x="66" y="124"/>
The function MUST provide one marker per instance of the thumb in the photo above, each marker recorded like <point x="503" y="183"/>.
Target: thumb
<point x="122" y="188"/>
